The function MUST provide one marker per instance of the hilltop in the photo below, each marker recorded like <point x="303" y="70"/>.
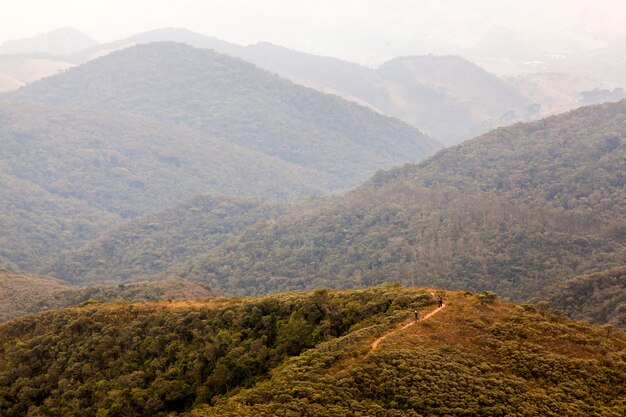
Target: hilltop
<point x="228" y="98"/>
<point x="61" y="41"/>
<point x="513" y="211"/>
<point x="283" y="354"/>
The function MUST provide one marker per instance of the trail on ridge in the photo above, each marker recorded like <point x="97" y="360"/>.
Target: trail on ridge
<point x="376" y="342"/>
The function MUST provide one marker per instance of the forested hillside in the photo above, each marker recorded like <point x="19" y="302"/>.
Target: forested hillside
<point x="311" y="353"/>
<point x="37" y="224"/>
<point x="144" y="249"/>
<point x="166" y="357"/>
<point x="512" y="211"/>
<point x="68" y="175"/>
<point x="228" y="98"/>
<point x="598" y="298"/>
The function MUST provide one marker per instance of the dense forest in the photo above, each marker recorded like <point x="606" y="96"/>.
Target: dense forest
<point x="68" y="175"/>
<point x="311" y="353"/>
<point x="228" y="98"/>
<point x="144" y="249"/>
<point x="513" y="211"/>
<point x="598" y="298"/>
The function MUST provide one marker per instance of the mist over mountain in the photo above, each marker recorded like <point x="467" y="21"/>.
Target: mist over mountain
<point x="380" y="208"/>
<point x="226" y="97"/>
<point x="7" y="83"/>
<point x="27" y="69"/>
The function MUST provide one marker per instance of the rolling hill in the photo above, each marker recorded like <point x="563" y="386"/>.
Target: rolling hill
<point x="145" y="248"/>
<point x="323" y="353"/>
<point x="37" y="224"/>
<point x="228" y="98"/>
<point x="513" y="211"/>
<point x="20" y="294"/>
<point x="25" y="294"/>
<point x="451" y="98"/>
<point x="599" y="297"/>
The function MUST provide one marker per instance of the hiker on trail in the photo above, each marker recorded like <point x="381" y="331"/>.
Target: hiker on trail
<point x="440" y="302"/>
<point x="417" y="315"/>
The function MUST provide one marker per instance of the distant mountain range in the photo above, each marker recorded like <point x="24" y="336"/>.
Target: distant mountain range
<point x="447" y="97"/>
<point x="512" y="211"/>
<point x="228" y="98"/>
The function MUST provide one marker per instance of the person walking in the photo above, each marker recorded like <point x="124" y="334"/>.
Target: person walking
<point x="440" y="302"/>
<point x="417" y="315"/>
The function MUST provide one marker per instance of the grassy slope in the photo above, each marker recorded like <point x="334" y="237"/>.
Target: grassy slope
<point x="151" y="358"/>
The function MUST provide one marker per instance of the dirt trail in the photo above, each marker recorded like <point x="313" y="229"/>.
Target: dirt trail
<point x="376" y="342"/>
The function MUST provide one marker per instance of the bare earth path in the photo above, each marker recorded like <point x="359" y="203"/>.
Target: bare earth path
<point x="376" y="342"/>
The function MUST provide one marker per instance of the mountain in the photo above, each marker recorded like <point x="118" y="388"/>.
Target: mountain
<point x="598" y="297"/>
<point x="226" y="97"/>
<point x="144" y="248"/>
<point x="68" y="175"/>
<point x="513" y="211"/>
<point x="7" y="83"/>
<point x="321" y="353"/>
<point x="25" y="294"/>
<point x="447" y="97"/>
<point x="19" y="294"/>
<point x="62" y="41"/>
<point x="451" y="98"/>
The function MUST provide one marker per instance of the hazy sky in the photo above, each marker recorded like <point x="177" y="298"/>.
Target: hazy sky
<point x="360" y="30"/>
